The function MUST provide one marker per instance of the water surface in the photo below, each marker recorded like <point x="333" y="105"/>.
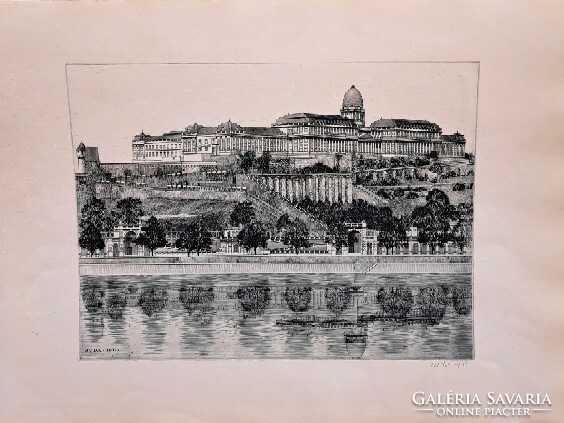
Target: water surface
<point x="272" y="316"/>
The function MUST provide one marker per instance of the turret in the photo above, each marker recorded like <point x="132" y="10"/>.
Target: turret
<point x="80" y="156"/>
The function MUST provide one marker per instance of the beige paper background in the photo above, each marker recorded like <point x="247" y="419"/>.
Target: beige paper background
<point x="518" y="245"/>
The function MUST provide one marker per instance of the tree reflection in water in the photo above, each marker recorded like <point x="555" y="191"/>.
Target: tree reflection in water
<point x="115" y="305"/>
<point x="432" y="301"/>
<point x="93" y="299"/>
<point x="462" y="299"/>
<point x="289" y="316"/>
<point x="337" y="298"/>
<point x="196" y="297"/>
<point x="152" y="300"/>
<point x="253" y="299"/>
<point x="298" y="298"/>
<point x="396" y="301"/>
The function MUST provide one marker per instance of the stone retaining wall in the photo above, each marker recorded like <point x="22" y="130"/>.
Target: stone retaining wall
<point x="265" y="267"/>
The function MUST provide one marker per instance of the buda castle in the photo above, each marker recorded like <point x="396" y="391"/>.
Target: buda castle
<point x="302" y="135"/>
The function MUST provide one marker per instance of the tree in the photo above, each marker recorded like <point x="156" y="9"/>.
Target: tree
<point x="152" y="236"/>
<point x="433" y="219"/>
<point x="338" y="236"/>
<point x="195" y="237"/>
<point x="298" y="298"/>
<point x="396" y="301"/>
<point x="186" y="241"/>
<point x="433" y="236"/>
<point x="263" y="163"/>
<point x="317" y="168"/>
<point x="437" y="199"/>
<point x="91" y="238"/>
<point x="392" y="234"/>
<point x="253" y="235"/>
<point x="461" y="235"/>
<point x="297" y="235"/>
<point x="283" y="222"/>
<point x="465" y="211"/>
<point x="94" y="220"/>
<point x="94" y="212"/>
<point x="129" y="211"/>
<point x="214" y="221"/>
<point x="247" y="161"/>
<point x="243" y="213"/>
<point x="469" y="157"/>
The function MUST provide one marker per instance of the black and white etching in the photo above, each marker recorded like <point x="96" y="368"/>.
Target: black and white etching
<point x="275" y="211"/>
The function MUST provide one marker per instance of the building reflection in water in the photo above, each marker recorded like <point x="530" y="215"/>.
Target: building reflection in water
<point x="173" y="317"/>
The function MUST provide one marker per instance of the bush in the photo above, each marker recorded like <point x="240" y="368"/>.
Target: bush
<point x="383" y="193"/>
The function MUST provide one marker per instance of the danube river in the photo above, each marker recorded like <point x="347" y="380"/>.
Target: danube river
<point x="277" y="316"/>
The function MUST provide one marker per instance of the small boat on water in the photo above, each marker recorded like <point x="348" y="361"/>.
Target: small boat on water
<point x="302" y="325"/>
<point x="298" y="321"/>
<point x="355" y="338"/>
<point x="355" y="342"/>
<point x="336" y="323"/>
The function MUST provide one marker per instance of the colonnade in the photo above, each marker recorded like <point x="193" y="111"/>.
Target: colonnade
<point x="410" y="147"/>
<point x="325" y="187"/>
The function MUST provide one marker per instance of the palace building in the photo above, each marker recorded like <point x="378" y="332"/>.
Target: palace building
<point x="302" y="135"/>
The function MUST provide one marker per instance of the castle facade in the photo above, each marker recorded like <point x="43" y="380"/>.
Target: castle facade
<point x="302" y="135"/>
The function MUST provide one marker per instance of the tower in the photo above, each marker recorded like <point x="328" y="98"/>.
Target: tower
<point x="81" y="156"/>
<point x="353" y="106"/>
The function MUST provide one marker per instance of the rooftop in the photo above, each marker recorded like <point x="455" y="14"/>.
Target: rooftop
<point x="404" y="124"/>
<point x="310" y="118"/>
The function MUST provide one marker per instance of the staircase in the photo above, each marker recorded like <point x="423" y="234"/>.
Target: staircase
<point x="269" y="203"/>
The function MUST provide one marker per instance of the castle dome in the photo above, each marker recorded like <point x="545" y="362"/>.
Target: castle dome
<point x="353" y="98"/>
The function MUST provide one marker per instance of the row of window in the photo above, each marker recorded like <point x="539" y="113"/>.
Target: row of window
<point x="407" y="148"/>
<point x="323" y="130"/>
<point x="305" y="145"/>
<point x="408" y="134"/>
<point x="175" y="146"/>
<point x="172" y="154"/>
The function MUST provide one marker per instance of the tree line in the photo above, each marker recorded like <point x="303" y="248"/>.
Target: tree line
<point x="96" y="220"/>
<point x="438" y="222"/>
